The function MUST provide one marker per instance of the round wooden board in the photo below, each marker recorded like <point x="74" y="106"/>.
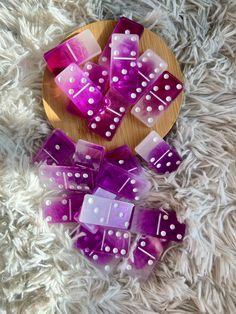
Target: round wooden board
<point x="132" y="131"/>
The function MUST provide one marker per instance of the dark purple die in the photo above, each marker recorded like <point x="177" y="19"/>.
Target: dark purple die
<point x="78" y="49"/>
<point x="86" y="97"/>
<point x="158" y="154"/>
<point x="123" y="26"/>
<point x="122" y="183"/>
<point x="97" y="74"/>
<point x="157" y="223"/>
<point x="58" y="149"/>
<point x="66" y="178"/>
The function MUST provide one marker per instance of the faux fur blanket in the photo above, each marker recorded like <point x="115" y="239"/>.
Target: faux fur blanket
<point x="40" y="272"/>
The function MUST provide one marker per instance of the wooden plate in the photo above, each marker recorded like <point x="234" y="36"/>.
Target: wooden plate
<point x="131" y="131"/>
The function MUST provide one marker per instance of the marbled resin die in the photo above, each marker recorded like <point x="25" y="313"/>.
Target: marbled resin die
<point x="97" y="74"/>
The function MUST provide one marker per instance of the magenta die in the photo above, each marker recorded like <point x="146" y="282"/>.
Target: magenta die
<point x="89" y="155"/>
<point x="123" y="157"/>
<point x="123" y="26"/>
<point x="62" y="208"/>
<point x="124" y="67"/>
<point x="158" y="154"/>
<point x="87" y="242"/>
<point x="106" y="212"/>
<point x="80" y="90"/>
<point x="67" y="178"/>
<point x="107" y="121"/>
<point x="122" y="183"/>
<point x="144" y="255"/>
<point x="78" y="49"/>
<point x="58" y="149"/>
<point x="97" y="74"/>
<point x="158" y="223"/>
<point x="157" y="99"/>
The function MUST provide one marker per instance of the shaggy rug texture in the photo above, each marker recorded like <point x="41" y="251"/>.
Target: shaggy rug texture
<point x="40" y="272"/>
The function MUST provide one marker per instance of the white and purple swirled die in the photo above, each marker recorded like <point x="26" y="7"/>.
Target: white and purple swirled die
<point x="78" y="49"/>
<point x="158" y="154"/>
<point x="124" y="67"/>
<point x="58" y="149"/>
<point x="80" y="90"/>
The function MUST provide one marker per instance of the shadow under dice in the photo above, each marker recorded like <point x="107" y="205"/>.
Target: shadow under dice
<point x="80" y="90"/>
<point x="66" y="178"/>
<point x="78" y="49"/>
<point x="158" y="154"/>
<point x="157" y="99"/>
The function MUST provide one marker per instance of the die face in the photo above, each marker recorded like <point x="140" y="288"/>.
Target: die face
<point x="66" y="178"/>
<point x="158" y="98"/>
<point x="106" y="212"/>
<point x="158" y="223"/>
<point x="125" y="26"/>
<point x="78" y="49"/>
<point x="80" y="90"/>
<point x="62" y="208"/>
<point x="124" y="158"/>
<point x="143" y="257"/>
<point x="158" y="154"/>
<point x="124" y="67"/>
<point x="89" y="155"/>
<point x="107" y="121"/>
<point x="97" y="74"/>
<point x="57" y="149"/>
<point x="122" y="183"/>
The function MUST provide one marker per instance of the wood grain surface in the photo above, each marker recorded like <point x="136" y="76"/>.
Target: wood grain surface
<point x="132" y="131"/>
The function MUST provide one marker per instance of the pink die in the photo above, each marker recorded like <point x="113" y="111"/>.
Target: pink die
<point x="80" y="90"/>
<point x="78" y="49"/>
<point x="157" y="99"/>
<point x="97" y="74"/>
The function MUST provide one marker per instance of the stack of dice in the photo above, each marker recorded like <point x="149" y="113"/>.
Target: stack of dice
<point x="98" y="190"/>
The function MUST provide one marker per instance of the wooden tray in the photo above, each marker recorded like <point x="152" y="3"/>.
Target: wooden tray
<point x="131" y="131"/>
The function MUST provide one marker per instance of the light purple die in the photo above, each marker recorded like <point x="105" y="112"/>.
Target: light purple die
<point x="105" y="212"/>
<point x="57" y="149"/>
<point x="123" y="26"/>
<point x="80" y="90"/>
<point x="123" y="157"/>
<point x="66" y="178"/>
<point x="62" y="208"/>
<point x="158" y="154"/>
<point x="103" y="193"/>
<point x="157" y="99"/>
<point x="124" y="67"/>
<point x="87" y="242"/>
<point x="107" y="121"/>
<point x="78" y="49"/>
<point x="157" y="223"/>
<point x="89" y="155"/>
<point x="122" y="183"/>
<point x="97" y="74"/>
<point x="144" y="255"/>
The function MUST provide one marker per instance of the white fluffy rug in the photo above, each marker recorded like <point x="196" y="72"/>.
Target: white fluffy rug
<point x="40" y="272"/>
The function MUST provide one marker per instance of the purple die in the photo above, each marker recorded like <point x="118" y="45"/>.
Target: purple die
<point x="106" y="122"/>
<point x="122" y="183"/>
<point x="157" y="99"/>
<point x="57" y="149"/>
<point x="143" y="257"/>
<point x="157" y="223"/>
<point x="124" y="67"/>
<point x="78" y="49"/>
<point x="80" y="90"/>
<point x="124" y="26"/>
<point x="87" y="242"/>
<point x="123" y="157"/>
<point x="89" y="155"/>
<point x="97" y="74"/>
<point x="105" y="212"/>
<point x="158" y="154"/>
<point x="62" y="208"/>
<point x="66" y="178"/>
